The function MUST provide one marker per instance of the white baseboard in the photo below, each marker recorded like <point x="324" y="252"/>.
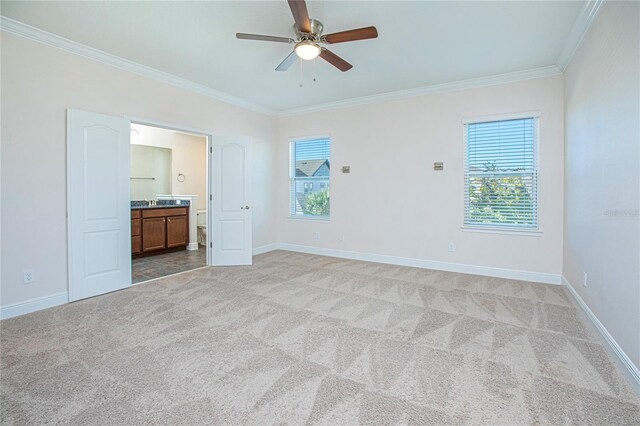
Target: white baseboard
<point x="513" y="274"/>
<point x="62" y="298"/>
<point x="624" y="360"/>
<point x="192" y="246"/>
<point x="32" y="305"/>
<point x="265" y="249"/>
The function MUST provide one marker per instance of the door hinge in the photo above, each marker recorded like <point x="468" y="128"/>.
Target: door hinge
<point x="210" y="244"/>
<point x="210" y="150"/>
<point x="210" y="197"/>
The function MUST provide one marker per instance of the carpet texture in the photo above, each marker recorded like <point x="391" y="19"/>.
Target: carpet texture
<point x="301" y="339"/>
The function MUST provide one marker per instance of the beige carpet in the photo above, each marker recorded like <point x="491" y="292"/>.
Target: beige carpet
<point x="303" y="339"/>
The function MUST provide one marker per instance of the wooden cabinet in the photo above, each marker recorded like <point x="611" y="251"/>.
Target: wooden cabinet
<point x="157" y="230"/>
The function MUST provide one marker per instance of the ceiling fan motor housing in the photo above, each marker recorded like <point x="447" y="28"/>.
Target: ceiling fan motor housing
<point x="314" y="35"/>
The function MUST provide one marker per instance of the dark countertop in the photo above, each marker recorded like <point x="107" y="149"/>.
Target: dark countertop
<point x="160" y="204"/>
<point x="171" y="206"/>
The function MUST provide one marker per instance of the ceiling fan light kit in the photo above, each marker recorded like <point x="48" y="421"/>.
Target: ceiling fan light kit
<point x="309" y="37"/>
<point x="307" y="50"/>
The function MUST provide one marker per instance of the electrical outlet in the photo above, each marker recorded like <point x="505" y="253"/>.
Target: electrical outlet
<point x="452" y="247"/>
<point x="584" y="279"/>
<point x="317" y="235"/>
<point x="28" y="276"/>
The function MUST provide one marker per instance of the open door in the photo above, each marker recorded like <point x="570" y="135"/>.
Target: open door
<point x="231" y="208"/>
<point x="98" y="207"/>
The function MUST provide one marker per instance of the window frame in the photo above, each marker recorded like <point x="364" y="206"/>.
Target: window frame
<point x="293" y="178"/>
<point x="500" y="228"/>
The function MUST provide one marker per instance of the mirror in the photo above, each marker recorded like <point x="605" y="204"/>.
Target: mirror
<point x="150" y="172"/>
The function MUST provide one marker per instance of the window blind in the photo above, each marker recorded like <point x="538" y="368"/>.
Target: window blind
<point x="501" y="173"/>
<point x="309" y="173"/>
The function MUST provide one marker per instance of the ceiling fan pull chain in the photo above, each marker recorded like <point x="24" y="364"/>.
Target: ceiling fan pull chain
<point x="314" y="69"/>
<point x="300" y="75"/>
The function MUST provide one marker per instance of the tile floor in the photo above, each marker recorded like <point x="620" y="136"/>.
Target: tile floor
<point x="161" y="265"/>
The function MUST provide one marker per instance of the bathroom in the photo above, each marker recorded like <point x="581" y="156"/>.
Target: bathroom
<point x="168" y="202"/>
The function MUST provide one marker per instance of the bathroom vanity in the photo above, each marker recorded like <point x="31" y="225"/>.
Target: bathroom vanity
<point x="160" y="228"/>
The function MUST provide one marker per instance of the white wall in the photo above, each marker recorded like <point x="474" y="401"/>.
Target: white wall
<point x="602" y="172"/>
<point x="38" y="84"/>
<point x="150" y="172"/>
<point x="393" y="203"/>
<point x="188" y="156"/>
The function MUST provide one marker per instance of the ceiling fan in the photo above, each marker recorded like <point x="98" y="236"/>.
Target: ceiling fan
<point x="309" y="38"/>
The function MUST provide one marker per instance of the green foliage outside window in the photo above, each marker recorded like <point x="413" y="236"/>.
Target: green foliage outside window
<point x="317" y="203"/>
<point x="500" y="199"/>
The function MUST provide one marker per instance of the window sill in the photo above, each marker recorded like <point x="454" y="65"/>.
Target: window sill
<point x="505" y="231"/>
<point x="310" y="218"/>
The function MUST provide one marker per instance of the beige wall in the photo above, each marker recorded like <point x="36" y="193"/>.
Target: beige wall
<point x="393" y="203"/>
<point x="188" y="156"/>
<point x="602" y="172"/>
<point x="38" y="84"/>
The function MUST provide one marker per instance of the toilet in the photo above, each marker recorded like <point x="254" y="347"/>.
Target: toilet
<point x="202" y="227"/>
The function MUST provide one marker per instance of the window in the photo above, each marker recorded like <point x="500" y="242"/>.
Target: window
<point x="501" y="174"/>
<point x="309" y="172"/>
<point x="308" y="186"/>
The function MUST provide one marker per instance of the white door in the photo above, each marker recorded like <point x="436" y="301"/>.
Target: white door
<point x="231" y="207"/>
<point x="98" y="208"/>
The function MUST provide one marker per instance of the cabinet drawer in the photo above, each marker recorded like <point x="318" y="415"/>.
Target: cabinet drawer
<point x="136" y="245"/>
<point x="135" y="214"/>
<point x="136" y="226"/>
<point x="177" y="212"/>
<point x="165" y="212"/>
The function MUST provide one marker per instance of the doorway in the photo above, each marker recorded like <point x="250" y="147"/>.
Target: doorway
<point x="101" y="229"/>
<point x="169" y="208"/>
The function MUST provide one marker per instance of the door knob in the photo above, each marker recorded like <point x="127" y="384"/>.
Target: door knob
<point x="245" y="208"/>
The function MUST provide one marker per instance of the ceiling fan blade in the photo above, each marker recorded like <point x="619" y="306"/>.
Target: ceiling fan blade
<point x="288" y="61"/>
<point x="245" y="36"/>
<point x="352" y="35"/>
<point x="300" y="14"/>
<point x="335" y="60"/>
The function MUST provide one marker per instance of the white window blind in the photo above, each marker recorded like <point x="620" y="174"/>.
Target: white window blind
<point x="501" y="174"/>
<point x="309" y="173"/>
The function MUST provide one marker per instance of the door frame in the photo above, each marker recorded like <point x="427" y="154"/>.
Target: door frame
<point x="209" y="190"/>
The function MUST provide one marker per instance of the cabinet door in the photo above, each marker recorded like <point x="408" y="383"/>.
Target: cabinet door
<point x="177" y="231"/>
<point x="153" y="234"/>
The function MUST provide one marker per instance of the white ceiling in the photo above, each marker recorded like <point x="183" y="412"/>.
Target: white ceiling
<point x="420" y="43"/>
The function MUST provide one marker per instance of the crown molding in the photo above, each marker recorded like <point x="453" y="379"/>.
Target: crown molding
<point x="579" y="29"/>
<point x="427" y="90"/>
<point x="18" y="28"/>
